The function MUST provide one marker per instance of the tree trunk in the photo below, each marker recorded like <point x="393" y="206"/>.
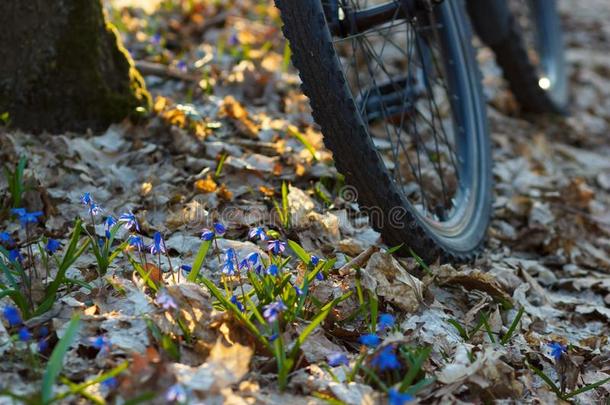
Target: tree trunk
<point x="62" y="67"/>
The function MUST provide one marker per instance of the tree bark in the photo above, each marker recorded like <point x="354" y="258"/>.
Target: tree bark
<point x="63" y="68"/>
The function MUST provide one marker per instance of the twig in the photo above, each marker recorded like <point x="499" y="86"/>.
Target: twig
<point x="358" y="261"/>
<point x="158" y="69"/>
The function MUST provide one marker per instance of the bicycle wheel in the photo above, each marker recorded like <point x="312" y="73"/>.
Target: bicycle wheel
<point x="532" y="58"/>
<point x="396" y="91"/>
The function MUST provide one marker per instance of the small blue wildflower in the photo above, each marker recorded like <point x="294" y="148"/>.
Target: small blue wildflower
<point x="52" y="246"/>
<point x="94" y="209"/>
<point x="233" y="40"/>
<point x="155" y="39"/>
<point x="43" y="345"/>
<point x="337" y="359"/>
<point x="158" y="245"/>
<point x="297" y="290"/>
<point x="314" y="260"/>
<point x="273" y="270"/>
<point x="12" y="315"/>
<point x="386" y="359"/>
<point x="166" y="301"/>
<point x="257" y="232"/>
<point x="15" y="256"/>
<point x="109" y="222"/>
<point x="273" y="337"/>
<point x="43" y="331"/>
<point x="230" y="255"/>
<point x="252" y="258"/>
<point x="320" y="276"/>
<point x="276" y="246"/>
<point x="24" y="334"/>
<point x="273" y="310"/>
<point x="136" y="242"/>
<point x="110" y="383"/>
<point x="370" y="340"/>
<point x="228" y="268"/>
<point x="129" y="221"/>
<point x="386" y="321"/>
<point x="186" y="268"/>
<point x="238" y="304"/>
<point x="398" y="398"/>
<point x="557" y="350"/>
<point x="176" y="393"/>
<point x="5" y="239"/>
<point x="258" y="269"/>
<point x="181" y="65"/>
<point x="25" y="217"/>
<point x="86" y="199"/>
<point x="219" y="229"/>
<point x="102" y="343"/>
<point x="207" y="235"/>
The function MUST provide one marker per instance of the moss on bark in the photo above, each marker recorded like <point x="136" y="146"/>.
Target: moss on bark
<point x="71" y="71"/>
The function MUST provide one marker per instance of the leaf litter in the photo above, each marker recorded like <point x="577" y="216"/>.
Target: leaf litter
<point x="223" y="145"/>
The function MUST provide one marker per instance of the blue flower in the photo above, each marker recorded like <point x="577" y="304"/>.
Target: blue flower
<point x="273" y="270"/>
<point x="181" y="65"/>
<point x="370" y="340"/>
<point x="228" y="268"/>
<point x="337" y="359"/>
<point x="386" y="321"/>
<point x="320" y="275"/>
<point x="86" y="199"/>
<point x="43" y="331"/>
<point x="219" y="229"/>
<point x="186" y="268"/>
<point x="158" y="245"/>
<point x="43" y="345"/>
<point x="176" y="393"/>
<point x="297" y="290"/>
<point x="276" y="246"/>
<point x="108" y="224"/>
<point x="5" y="238"/>
<point x="24" y="334"/>
<point x="52" y="246"/>
<point x="94" y="209"/>
<point x="386" y="359"/>
<point x="233" y="40"/>
<point x="238" y="304"/>
<point x="136" y="241"/>
<point x="257" y="232"/>
<point x="273" y="337"/>
<point x="207" y="235"/>
<point x="12" y="315"/>
<point x="155" y="39"/>
<point x="100" y="342"/>
<point x="166" y="301"/>
<point x="314" y="260"/>
<point x="110" y="383"/>
<point x="252" y="258"/>
<point x="25" y="217"/>
<point x="273" y="310"/>
<point x="398" y="398"/>
<point x="129" y="221"/>
<point x="230" y="255"/>
<point x="557" y="350"/>
<point x="15" y="256"/>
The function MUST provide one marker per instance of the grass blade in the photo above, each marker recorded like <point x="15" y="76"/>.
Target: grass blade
<point x="201" y="254"/>
<point x="55" y="363"/>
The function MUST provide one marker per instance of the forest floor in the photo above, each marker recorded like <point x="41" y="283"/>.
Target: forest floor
<point x="230" y="130"/>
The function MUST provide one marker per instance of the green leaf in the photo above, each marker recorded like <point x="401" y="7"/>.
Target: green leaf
<point x="545" y="378"/>
<point x="586" y="388"/>
<point x="299" y="251"/>
<point x="201" y="254"/>
<point x="459" y="328"/>
<point x="414" y="369"/>
<point x="55" y="363"/>
<point x="77" y="389"/>
<point x="513" y="326"/>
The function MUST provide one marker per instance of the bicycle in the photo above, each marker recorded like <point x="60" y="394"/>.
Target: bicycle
<point x="396" y="90"/>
